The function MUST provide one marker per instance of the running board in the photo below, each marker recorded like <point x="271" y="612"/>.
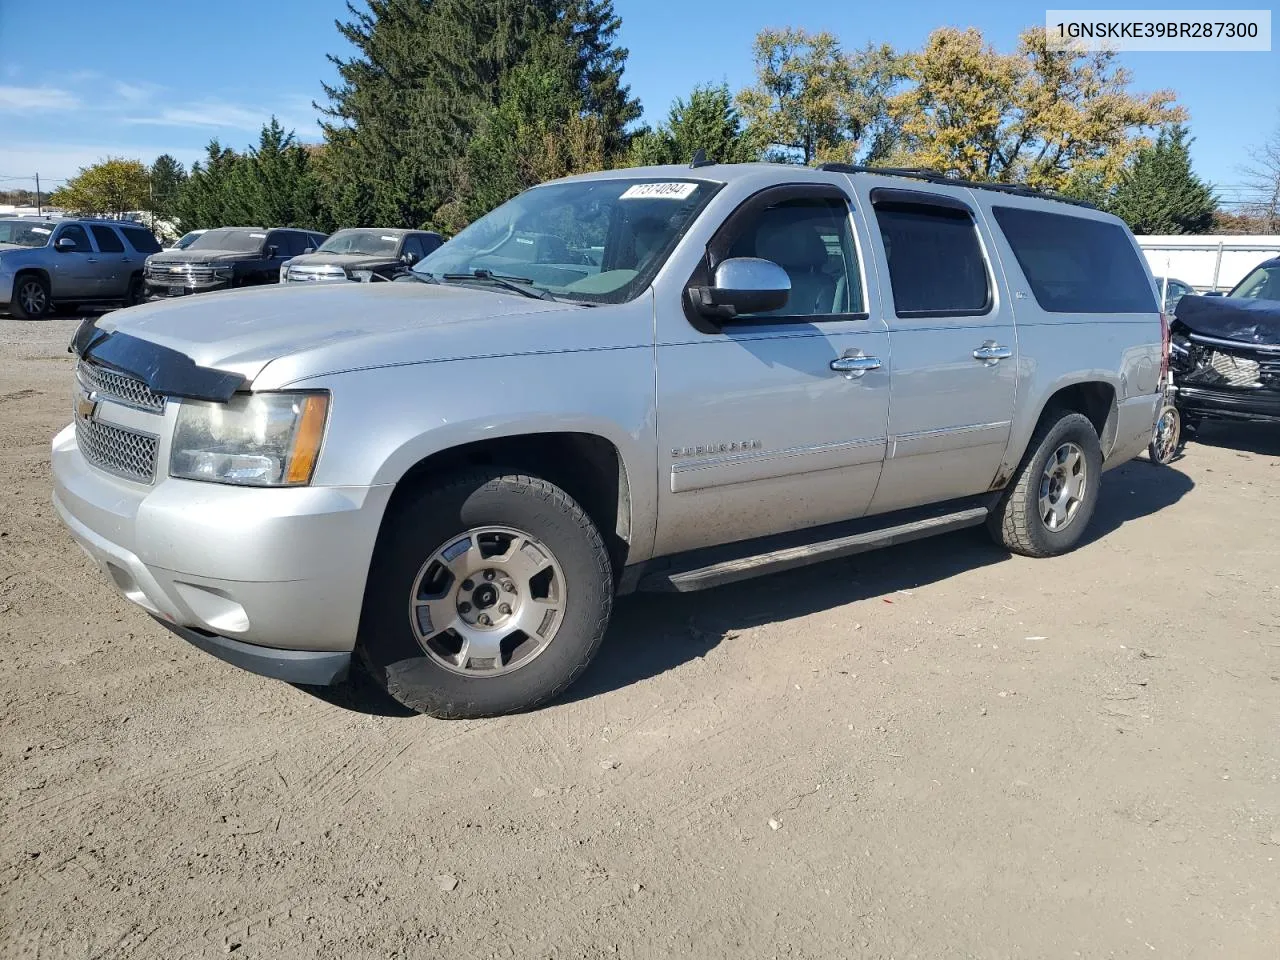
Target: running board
<point x="788" y="558"/>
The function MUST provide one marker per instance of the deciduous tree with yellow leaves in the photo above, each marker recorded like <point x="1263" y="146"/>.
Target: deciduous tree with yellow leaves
<point x="1056" y="119"/>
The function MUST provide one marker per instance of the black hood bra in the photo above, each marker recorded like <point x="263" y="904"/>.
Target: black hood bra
<point x="162" y="369"/>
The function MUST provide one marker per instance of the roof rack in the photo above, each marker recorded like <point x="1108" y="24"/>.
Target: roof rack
<point x="937" y="176"/>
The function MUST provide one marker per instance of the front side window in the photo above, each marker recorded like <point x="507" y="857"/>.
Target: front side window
<point x="1077" y="264"/>
<point x="1262" y="284"/>
<point x="591" y="241"/>
<point x="811" y="239"/>
<point x="936" y="266"/>
<point x="73" y="231"/>
<point x="108" y="242"/>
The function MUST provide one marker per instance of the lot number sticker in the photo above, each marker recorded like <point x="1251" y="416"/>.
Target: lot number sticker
<point x="658" y="191"/>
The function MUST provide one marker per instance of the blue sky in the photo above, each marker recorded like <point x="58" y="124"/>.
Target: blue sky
<point x="81" y="79"/>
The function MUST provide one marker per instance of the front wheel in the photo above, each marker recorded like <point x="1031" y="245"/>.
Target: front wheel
<point x="488" y="594"/>
<point x="1052" y="496"/>
<point x="31" y="298"/>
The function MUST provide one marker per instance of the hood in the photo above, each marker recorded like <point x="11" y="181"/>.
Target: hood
<point x="1231" y="318"/>
<point x="346" y="260"/>
<point x="205" y="256"/>
<point x="303" y="330"/>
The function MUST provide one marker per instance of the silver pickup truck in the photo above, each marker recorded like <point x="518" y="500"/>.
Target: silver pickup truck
<point x="661" y="378"/>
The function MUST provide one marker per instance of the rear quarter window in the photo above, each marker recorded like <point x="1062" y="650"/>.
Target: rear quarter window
<point x="1076" y="264"/>
<point x="141" y="240"/>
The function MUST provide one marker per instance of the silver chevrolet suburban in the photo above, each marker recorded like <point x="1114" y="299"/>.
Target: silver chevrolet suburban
<point x="662" y="378"/>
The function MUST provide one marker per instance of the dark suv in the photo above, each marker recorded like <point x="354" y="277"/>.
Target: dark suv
<point x="227" y="257"/>
<point x="362" y="251"/>
<point x="45" y="264"/>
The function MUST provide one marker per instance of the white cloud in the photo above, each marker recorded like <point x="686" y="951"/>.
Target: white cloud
<point x="59" y="162"/>
<point x="32" y="99"/>
<point x="212" y="113"/>
<point x="133" y="92"/>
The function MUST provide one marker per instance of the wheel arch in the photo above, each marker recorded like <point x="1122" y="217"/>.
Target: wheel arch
<point x="1093" y="395"/>
<point x="586" y="465"/>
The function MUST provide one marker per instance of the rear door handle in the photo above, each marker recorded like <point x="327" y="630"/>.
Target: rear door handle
<point x="90" y="259"/>
<point x="853" y="367"/>
<point x="991" y="353"/>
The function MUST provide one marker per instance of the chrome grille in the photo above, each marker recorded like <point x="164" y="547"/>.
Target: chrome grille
<point x="119" y="387"/>
<point x="180" y="272"/>
<point x="1235" y="371"/>
<point x="126" y="453"/>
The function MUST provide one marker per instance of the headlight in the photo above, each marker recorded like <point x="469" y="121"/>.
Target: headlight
<point x="284" y="270"/>
<point x="255" y="439"/>
<point x="224" y="272"/>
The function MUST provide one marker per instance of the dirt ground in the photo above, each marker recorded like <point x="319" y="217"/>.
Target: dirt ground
<point x="934" y="751"/>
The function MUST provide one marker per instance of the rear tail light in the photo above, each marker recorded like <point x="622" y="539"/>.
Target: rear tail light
<point x="1164" y="348"/>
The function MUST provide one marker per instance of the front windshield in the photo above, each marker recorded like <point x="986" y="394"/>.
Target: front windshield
<point x="229" y="238"/>
<point x="371" y="242"/>
<point x="24" y="233"/>
<point x="597" y="241"/>
<point x="1262" y="284"/>
<point x="186" y="240"/>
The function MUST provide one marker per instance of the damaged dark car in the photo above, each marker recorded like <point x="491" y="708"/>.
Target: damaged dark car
<point x="1225" y="352"/>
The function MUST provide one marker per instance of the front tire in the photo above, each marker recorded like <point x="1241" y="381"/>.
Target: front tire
<point x="1052" y="496"/>
<point x="489" y="593"/>
<point x="31" y="298"/>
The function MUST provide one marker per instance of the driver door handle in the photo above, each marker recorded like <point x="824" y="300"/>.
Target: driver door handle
<point x="853" y="367"/>
<point x="992" y="352"/>
<point x="90" y="259"/>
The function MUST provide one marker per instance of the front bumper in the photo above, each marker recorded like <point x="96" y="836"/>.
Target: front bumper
<point x="167" y="288"/>
<point x="269" y="579"/>
<point x="1258" y="406"/>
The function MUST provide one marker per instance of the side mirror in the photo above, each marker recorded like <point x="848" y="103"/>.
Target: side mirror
<point x="408" y="258"/>
<point x="65" y="244"/>
<point x="308" y="249"/>
<point x="272" y="250"/>
<point x="743" y="285"/>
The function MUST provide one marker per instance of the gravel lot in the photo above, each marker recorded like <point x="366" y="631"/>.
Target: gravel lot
<point x="933" y="751"/>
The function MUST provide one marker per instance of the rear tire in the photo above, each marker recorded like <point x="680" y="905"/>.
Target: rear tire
<point x="137" y="292"/>
<point x="488" y="593"/>
<point x="1047" y="506"/>
<point x="1166" y="439"/>
<point x="31" y="298"/>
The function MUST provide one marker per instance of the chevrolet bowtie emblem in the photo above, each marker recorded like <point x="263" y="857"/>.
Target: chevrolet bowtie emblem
<point x="86" y="406"/>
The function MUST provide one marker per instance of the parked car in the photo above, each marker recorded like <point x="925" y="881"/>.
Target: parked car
<point x="361" y="253"/>
<point x="1226" y="352"/>
<point x="48" y="264"/>
<point x="227" y="257"/>
<point x="1173" y="290"/>
<point x="661" y="378"/>
<point x="186" y="239"/>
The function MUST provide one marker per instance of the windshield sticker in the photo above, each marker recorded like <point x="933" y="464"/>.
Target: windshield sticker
<point x="41" y="230"/>
<point x="258" y="236"/>
<point x="658" y="191"/>
<point x="392" y="239"/>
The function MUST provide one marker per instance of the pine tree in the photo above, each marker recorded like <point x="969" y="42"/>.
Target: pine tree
<point x="706" y="121"/>
<point x="167" y="180"/>
<point x="1160" y="194"/>
<point x="208" y="198"/>
<point x="425" y="113"/>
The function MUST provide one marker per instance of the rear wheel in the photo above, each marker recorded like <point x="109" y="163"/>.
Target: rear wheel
<point x="31" y="298"/>
<point x="1048" y="505"/>
<point x="1166" y="439"/>
<point x="488" y="594"/>
<point x="137" y="292"/>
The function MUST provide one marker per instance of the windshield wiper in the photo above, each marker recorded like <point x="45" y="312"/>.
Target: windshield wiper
<point x="520" y="285"/>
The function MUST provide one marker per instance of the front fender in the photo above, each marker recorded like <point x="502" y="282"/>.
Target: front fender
<point x="384" y="421"/>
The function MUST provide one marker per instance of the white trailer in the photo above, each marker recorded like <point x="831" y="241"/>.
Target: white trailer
<point x="1208" y="263"/>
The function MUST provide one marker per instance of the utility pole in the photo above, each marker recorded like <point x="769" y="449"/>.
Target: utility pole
<point x="39" y="205"/>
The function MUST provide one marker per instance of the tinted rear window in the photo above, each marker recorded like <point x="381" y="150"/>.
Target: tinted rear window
<point x="108" y="242"/>
<point x="141" y="240"/>
<point x="936" y="267"/>
<point x="1075" y="264"/>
